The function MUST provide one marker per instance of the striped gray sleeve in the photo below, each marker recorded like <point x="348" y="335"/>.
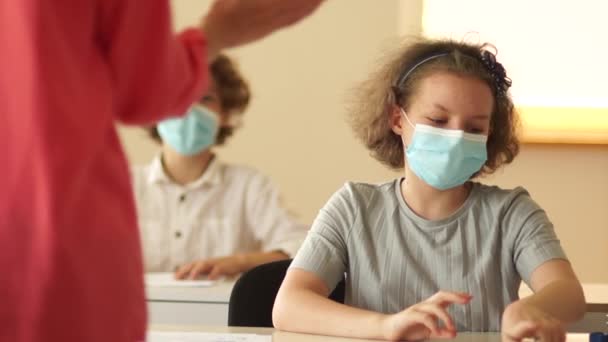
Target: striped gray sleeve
<point x="534" y="239"/>
<point x="324" y="251"/>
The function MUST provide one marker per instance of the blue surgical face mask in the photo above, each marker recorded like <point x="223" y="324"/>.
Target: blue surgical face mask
<point x="445" y="158"/>
<point x="191" y="134"/>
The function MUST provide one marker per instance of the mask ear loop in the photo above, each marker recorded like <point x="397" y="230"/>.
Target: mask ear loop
<point x="406" y="118"/>
<point x="395" y="93"/>
<point x="406" y="146"/>
<point x="236" y="119"/>
<point x="409" y="123"/>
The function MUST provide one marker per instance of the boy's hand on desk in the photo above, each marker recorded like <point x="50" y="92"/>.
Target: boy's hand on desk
<point x="521" y="320"/>
<point x="420" y="321"/>
<point x="213" y="268"/>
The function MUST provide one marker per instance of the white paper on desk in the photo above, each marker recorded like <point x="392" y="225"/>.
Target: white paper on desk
<point x="571" y="337"/>
<point x="167" y="279"/>
<point x="577" y="337"/>
<point x="170" y="336"/>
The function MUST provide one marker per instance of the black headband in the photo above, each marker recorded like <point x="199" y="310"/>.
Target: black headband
<point x="502" y="83"/>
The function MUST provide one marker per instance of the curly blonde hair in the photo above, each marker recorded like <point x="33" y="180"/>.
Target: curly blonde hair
<point x="376" y="97"/>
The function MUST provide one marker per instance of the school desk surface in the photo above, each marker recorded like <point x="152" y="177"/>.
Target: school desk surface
<point x="208" y="306"/>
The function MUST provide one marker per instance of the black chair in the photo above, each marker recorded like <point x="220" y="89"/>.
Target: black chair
<point x="253" y="295"/>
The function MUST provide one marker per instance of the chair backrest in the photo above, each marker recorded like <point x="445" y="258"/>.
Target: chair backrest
<point x="253" y="295"/>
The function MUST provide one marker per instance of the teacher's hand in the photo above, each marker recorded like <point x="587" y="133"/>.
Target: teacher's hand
<point x="230" y="23"/>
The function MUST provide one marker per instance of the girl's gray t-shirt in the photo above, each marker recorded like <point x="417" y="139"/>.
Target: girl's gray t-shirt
<point x="393" y="258"/>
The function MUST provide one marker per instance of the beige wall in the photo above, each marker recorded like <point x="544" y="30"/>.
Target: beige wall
<point x="295" y="129"/>
<point x="571" y="184"/>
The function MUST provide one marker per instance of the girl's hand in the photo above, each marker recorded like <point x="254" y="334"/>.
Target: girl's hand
<point x="521" y="320"/>
<point x="421" y="321"/>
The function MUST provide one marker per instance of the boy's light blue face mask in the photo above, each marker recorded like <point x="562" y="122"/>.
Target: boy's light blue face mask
<point x="445" y="158"/>
<point x="191" y="134"/>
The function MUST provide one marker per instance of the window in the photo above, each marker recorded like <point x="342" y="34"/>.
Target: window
<point x="555" y="52"/>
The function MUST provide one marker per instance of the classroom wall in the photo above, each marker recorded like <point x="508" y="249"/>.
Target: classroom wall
<point x="571" y="184"/>
<point x="295" y="130"/>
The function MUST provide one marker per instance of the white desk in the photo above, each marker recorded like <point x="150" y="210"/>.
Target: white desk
<point x="189" y="305"/>
<point x="280" y="336"/>
<point x="208" y="306"/>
